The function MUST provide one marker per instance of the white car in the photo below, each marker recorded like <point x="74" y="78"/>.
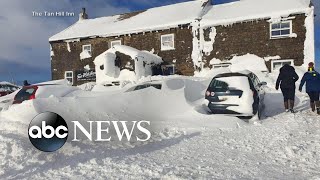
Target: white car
<point x="42" y="91"/>
<point x="154" y="84"/>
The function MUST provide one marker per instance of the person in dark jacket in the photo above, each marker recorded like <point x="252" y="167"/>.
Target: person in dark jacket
<point x="25" y="83"/>
<point x="312" y="80"/>
<point x="287" y="81"/>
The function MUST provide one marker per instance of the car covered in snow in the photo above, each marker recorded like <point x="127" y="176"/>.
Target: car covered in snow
<point x="239" y="93"/>
<point x="154" y="84"/>
<point x="42" y="91"/>
<point x="7" y="88"/>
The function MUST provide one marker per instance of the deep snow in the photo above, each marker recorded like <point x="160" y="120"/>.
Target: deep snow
<point x="186" y="142"/>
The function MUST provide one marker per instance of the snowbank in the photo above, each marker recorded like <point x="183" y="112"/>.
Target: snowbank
<point x="247" y="62"/>
<point x="56" y="82"/>
<point x="238" y="63"/>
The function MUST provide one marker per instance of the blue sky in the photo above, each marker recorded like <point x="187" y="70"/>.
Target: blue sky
<point x="24" y="47"/>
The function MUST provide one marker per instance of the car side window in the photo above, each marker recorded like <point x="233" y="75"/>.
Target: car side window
<point x="254" y="79"/>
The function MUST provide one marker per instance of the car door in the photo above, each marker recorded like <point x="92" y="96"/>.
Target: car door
<point x="260" y="89"/>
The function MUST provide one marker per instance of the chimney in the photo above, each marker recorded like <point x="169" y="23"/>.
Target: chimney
<point x="83" y="15"/>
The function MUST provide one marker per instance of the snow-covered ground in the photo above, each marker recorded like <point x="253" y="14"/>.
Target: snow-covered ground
<point x="186" y="143"/>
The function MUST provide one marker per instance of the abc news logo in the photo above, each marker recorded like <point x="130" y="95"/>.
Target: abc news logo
<point x="48" y="131"/>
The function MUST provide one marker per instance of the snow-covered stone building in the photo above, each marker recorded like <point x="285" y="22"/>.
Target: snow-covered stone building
<point x="187" y="36"/>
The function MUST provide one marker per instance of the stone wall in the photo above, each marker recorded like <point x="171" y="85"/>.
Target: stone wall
<point x="233" y="40"/>
<point x="254" y="38"/>
<point x="63" y="60"/>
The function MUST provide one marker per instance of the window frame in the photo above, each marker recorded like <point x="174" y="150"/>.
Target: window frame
<point x="169" y="66"/>
<point x="221" y="65"/>
<point x="281" y="61"/>
<point x="115" y="41"/>
<point x="167" y="48"/>
<point x="87" y="45"/>
<point x="65" y="76"/>
<point x="280" y="29"/>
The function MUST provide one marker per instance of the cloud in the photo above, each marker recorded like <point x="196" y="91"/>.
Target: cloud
<point x="24" y="38"/>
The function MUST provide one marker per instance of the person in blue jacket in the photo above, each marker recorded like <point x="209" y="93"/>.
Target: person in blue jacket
<point x="312" y="80"/>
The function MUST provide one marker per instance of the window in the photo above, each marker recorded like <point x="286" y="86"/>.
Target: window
<point x="168" y="69"/>
<point x="117" y="42"/>
<point x="102" y="67"/>
<point x="277" y="64"/>
<point x="167" y="42"/>
<point x="68" y="75"/>
<point x="281" y="29"/>
<point x="222" y="65"/>
<point x="87" y="48"/>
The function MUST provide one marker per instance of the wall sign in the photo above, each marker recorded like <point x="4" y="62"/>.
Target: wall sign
<point x="83" y="75"/>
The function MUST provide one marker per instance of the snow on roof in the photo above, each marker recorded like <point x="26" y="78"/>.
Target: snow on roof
<point x="242" y="10"/>
<point x="6" y="83"/>
<point x="182" y="13"/>
<point x="151" y="19"/>
<point x="130" y="51"/>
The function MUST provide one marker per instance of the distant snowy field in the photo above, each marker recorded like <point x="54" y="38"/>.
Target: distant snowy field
<point x="186" y="143"/>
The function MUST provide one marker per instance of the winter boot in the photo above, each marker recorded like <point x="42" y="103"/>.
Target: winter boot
<point x="286" y="106"/>
<point x="313" y="106"/>
<point x="318" y="107"/>
<point x="291" y="106"/>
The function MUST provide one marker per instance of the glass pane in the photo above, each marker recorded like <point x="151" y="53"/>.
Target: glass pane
<point x="115" y="43"/>
<point x="276" y="26"/>
<point x="285" y="32"/>
<point x="70" y="79"/>
<point x="88" y="48"/>
<point x="285" y="25"/>
<point x="275" y="33"/>
<point x="167" y="38"/>
<point x="277" y="65"/>
<point x="219" y="86"/>
<point x="287" y="62"/>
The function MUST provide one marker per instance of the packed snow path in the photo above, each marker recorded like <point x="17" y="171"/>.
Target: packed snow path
<point x="193" y="145"/>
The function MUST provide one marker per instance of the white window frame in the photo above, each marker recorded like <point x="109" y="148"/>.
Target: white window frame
<point x="222" y="65"/>
<point x="87" y="45"/>
<point x="280" y="29"/>
<point x="169" y="66"/>
<point x="280" y="61"/>
<point x="167" y="48"/>
<point x="65" y="76"/>
<point x="116" y="41"/>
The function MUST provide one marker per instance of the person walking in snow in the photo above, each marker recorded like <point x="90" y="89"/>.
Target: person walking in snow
<point x="287" y="81"/>
<point x="312" y="80"/>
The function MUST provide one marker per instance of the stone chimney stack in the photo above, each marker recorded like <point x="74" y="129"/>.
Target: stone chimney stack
<point x="83" y="15"/>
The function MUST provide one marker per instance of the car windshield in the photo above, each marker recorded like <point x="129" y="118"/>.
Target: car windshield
<point x="218" y="86"/>
<point x="223" y="84"/>
<point x="143" y="86"/>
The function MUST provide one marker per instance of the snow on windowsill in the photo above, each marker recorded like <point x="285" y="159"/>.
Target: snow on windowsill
<point x="267" y="59"/>
<point x="293" y="35"/>
<point x="85" y="55"/>
<point x="168" y="49"/>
